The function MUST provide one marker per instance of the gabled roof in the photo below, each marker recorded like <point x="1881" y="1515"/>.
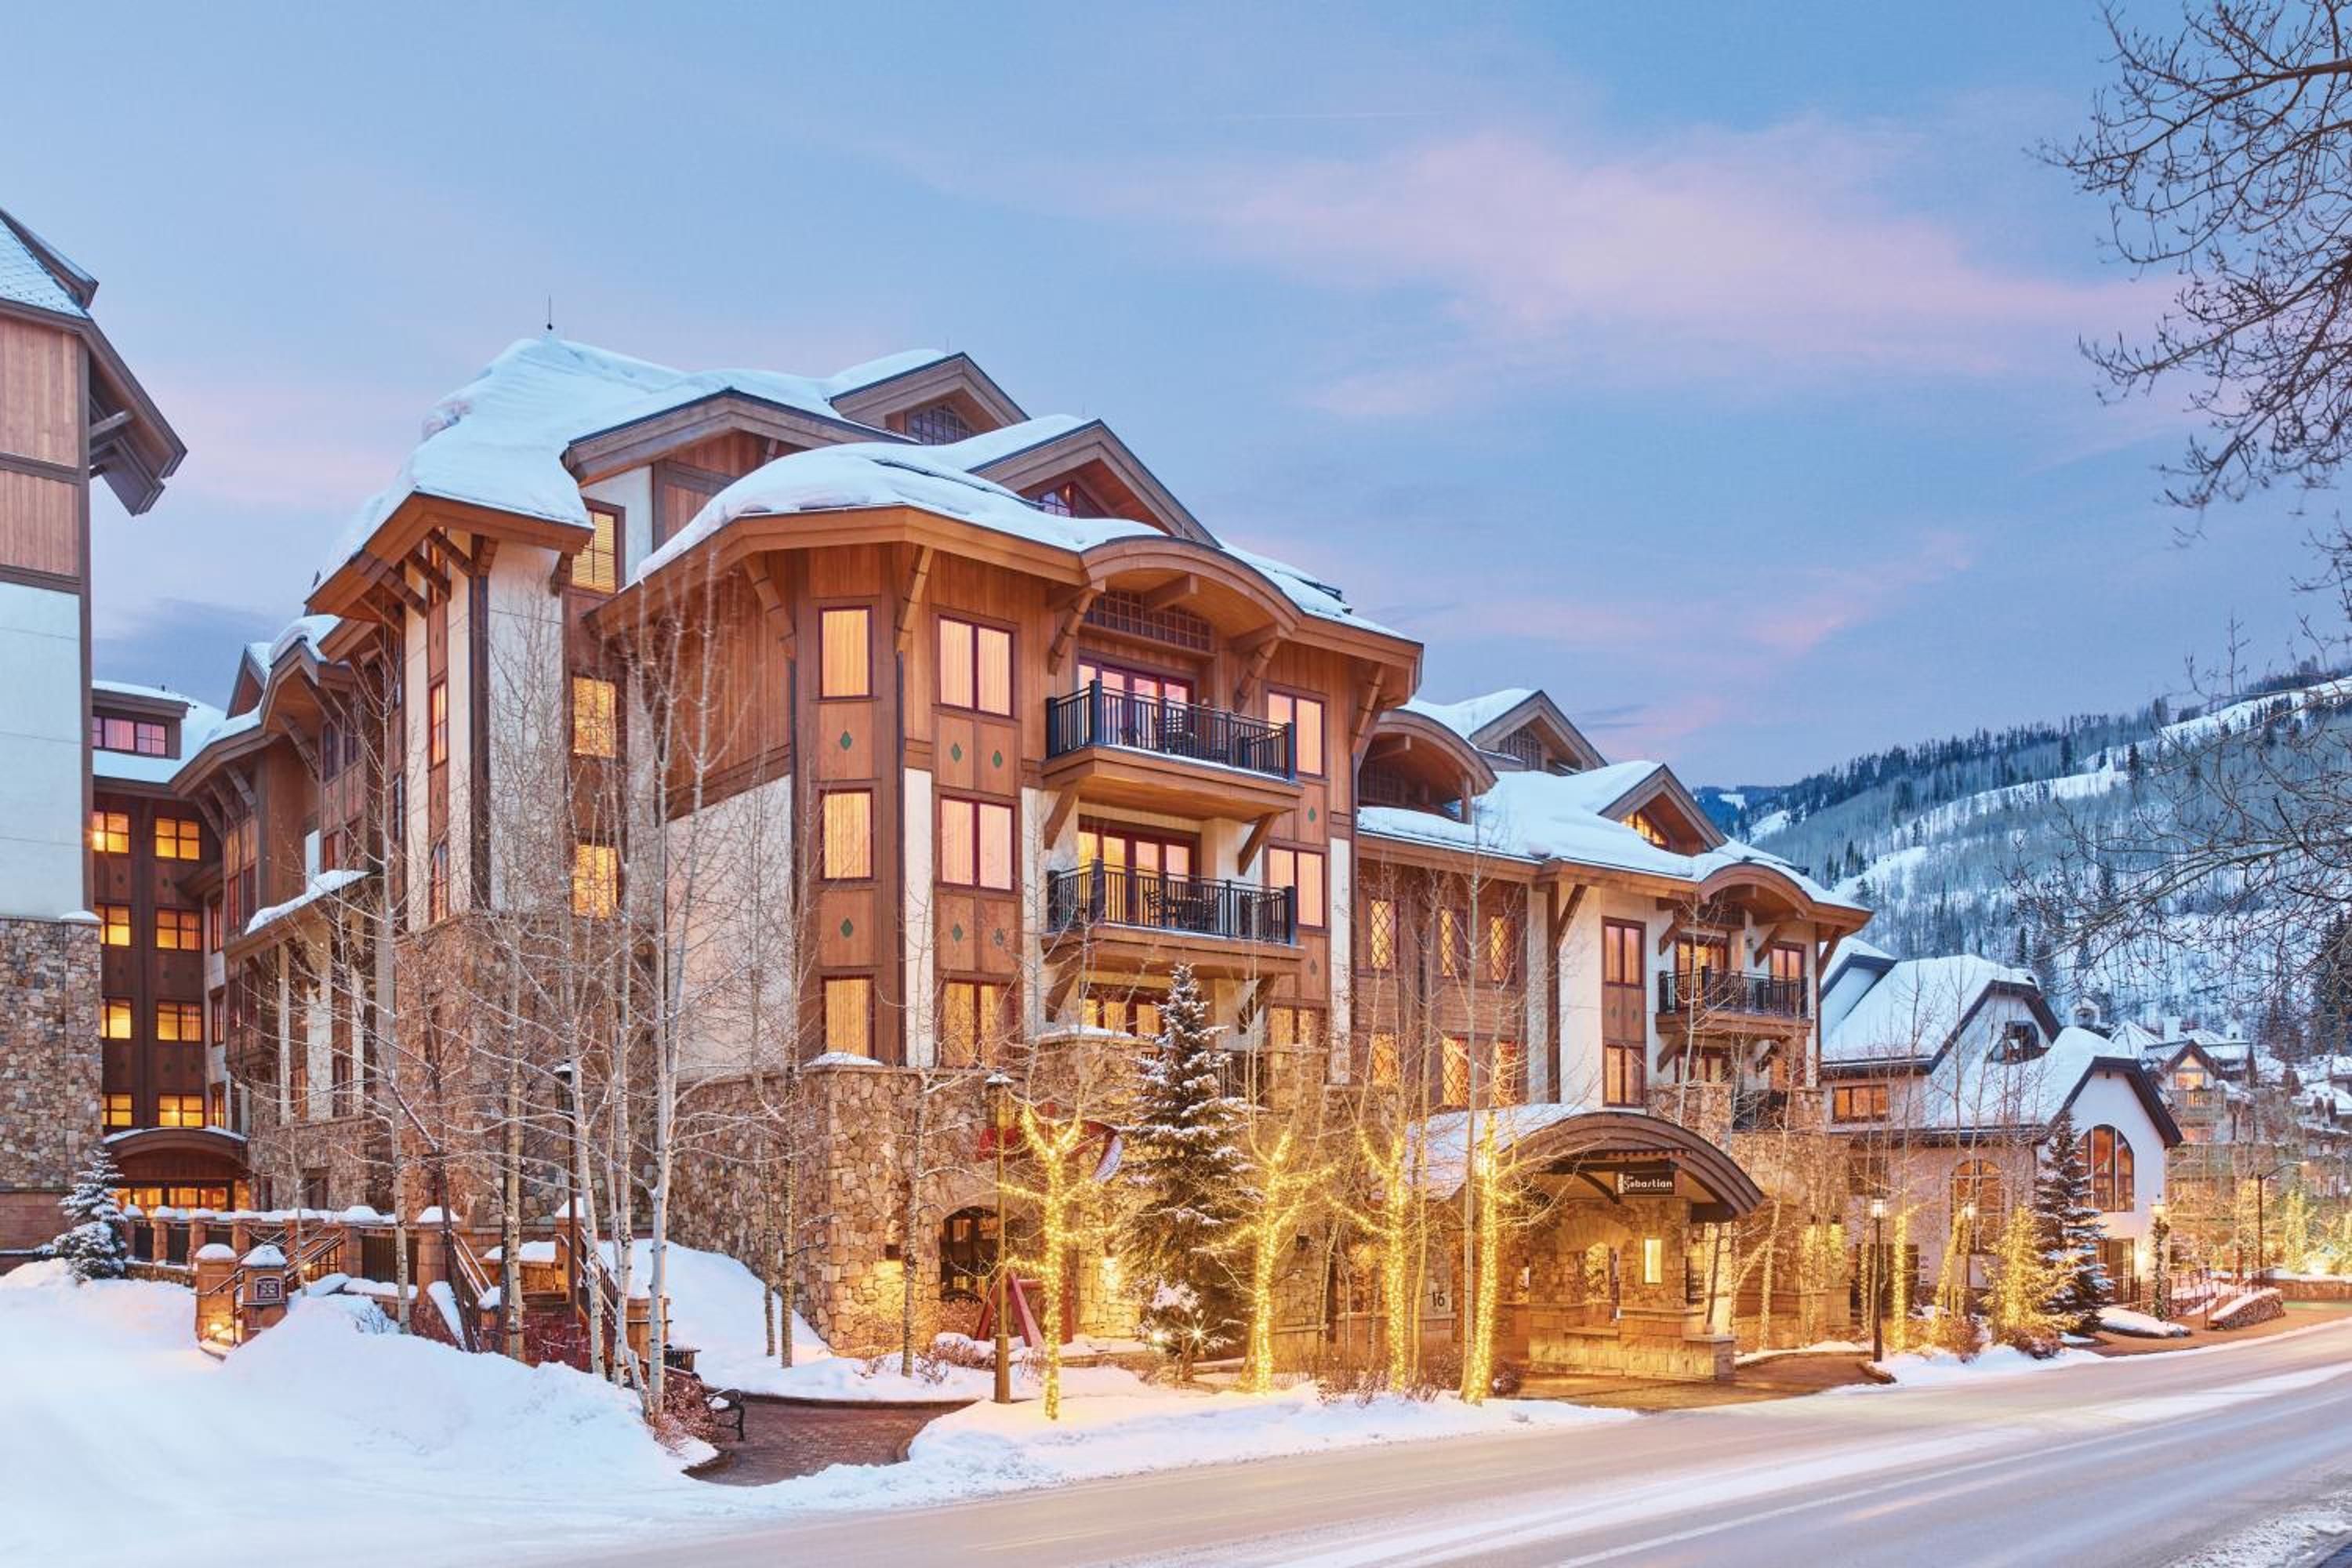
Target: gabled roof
<point x="198" y="720"/>
<point x="897" y="387"/>
<point x="1488" y="720"/>
<point x="1038" y="451"/>
<point x="1914" y="1011"/>
<point x="1976" y="1094"/>
<point x="37" y="274"/>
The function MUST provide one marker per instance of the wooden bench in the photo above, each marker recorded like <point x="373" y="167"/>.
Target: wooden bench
<point x="727" y="1407"/>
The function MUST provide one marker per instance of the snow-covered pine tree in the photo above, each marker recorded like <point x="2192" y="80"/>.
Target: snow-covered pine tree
<point x="2071" y="1229"/>
<point x="1185" y="1152"/>
<point x="92" y="1244"/>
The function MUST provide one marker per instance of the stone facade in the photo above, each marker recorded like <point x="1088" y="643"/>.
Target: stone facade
<point x="50" y="1065"/>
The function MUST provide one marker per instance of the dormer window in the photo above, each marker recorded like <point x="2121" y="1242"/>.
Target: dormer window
<point x="938" y="424"/>
<point x="1067" y="500"/>
<point x="139" y="737"/>
<point x="1644" y="824"/>
<point x="2020" y="1042"/>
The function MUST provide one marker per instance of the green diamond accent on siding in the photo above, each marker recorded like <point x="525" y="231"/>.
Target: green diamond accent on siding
<point x="845" y="741"/>
<point x="996" y="759"/>
<point x="1313" y="967"/>
<point x="997" y="937"/>
<point x="956" y="752"/>
<point x="956" y="931"/>
<point x="846" y="928"/>
<point x="1310" y="814"/>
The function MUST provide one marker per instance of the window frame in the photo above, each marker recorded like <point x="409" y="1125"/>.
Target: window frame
<point x="596" y="872"/>
<point x="971" y="627"/>
<point x="113" y="1008"/>
<point x="186" y="836"/>
<point x="1379" y="936"/>
<point x="181" y="1016"/>
<point x="1298" y="854"/>
<point x="106" y="837"/>
<point x="2115" y="1174"/>
<point x="825" y="1020"/>
<point x="1846" y="1097"/>
<point x="826" y="835"/>
<point x="611" y="549"/>
<point x="985" y="1051"/>
<point x="113" y="924"/>
<point x="1295" y="697"/>
<point x="610" y="731"/>
<point x="824" y="670"/>
<point x="436" y="722"/>
<point x="977" y="810"/>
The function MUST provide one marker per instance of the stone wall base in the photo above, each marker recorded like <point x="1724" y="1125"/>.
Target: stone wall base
<point x="48" y="1069"/>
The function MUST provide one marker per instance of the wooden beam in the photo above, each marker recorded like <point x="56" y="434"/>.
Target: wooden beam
<point x="244" y="789"/>
<point x="1073" y="609"/>
<point x="1174" y="591"/>
<point x="1252" y="844"/>
<point x="771" y="582"/>
<point x="485" y="550"/>
<point x="100" y="429"/>
<point x="436" y="580"/>
<point x="307" y="752"/>
<point x="1260" y="650"/>
<point x="912" y="600"/>
<point x="1366" y="706"/>
<point x="398" y="584"/>
<point x="560" y="575"/>
<point x="1563" y="913"/>
<point x="1057" y="817"/>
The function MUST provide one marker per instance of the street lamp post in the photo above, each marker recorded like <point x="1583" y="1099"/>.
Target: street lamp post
<point x="1877" y="1281"/>
<point x="2262" y="1230"/>
<point x="567" y="1073"/>
<point x="1000" y="1098"/>
<point x="1968" y="1251"/>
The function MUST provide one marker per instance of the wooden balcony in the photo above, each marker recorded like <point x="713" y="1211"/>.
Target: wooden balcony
<point x="1180" y="757"/>
<point x="1125" y="918"/>
<point x="1708" y="999"/>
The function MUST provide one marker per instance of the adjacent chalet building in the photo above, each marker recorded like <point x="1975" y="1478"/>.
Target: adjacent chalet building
<point x="69" y="410"/>
<point x="1946" y="1073"/>
<point x="835" y="743"/>
<point x="166" y="1097"/>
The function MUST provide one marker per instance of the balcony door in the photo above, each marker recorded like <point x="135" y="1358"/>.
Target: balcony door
<point x="1143" y="850"/>
<point x="1145" y="875"/>
<point x="1142" y="684"/>
<point x="1624" y="1027"/>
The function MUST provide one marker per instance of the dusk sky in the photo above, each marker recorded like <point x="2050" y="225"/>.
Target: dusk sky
<point x="1712" y="369"/>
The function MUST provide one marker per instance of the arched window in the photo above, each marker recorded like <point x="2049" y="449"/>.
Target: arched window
<point x="2110" y="1156"/>
<point x="1978" y="1182"/>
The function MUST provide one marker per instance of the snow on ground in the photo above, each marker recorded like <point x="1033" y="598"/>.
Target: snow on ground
<point x="1929" y="1369"/>
<point x="1818" y="1347"/>
<point x="2123" y="1321"/>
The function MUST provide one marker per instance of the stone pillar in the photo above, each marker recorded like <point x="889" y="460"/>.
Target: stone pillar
<point x="49" y="1112"/>
<point x="216" y="1266"/>
<point x="262" y="1292"/>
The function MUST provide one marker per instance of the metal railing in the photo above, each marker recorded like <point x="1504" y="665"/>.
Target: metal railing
<point x="1112" y="895"/>
<point x="1717" y="991"/>
<point x="1096" y="716"/>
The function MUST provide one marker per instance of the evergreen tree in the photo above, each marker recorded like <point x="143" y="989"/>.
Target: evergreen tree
<point x="2069" y="1230"/>
<point x="93" y="1243"/>
<point x="1185" y="1152"/>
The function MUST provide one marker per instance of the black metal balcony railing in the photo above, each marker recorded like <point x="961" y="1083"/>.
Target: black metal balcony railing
<point x="1112" y="895"/>
<point x="1715" y="991"/>
<point x="1096" y="716"/>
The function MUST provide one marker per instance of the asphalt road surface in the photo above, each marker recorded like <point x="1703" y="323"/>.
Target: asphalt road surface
<point x="2142" y="1461"/>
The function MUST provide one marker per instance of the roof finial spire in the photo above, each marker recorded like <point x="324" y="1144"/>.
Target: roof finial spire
<point x="550" y="315"/>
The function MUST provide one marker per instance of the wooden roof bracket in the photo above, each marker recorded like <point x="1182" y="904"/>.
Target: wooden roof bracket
<point x="1073" y="609"/>
<point x="913" y="600"/>
<point x="1174" y="591"/>
<point x="1258" y="833"/>
<point x="1260" y="650"/>
<point x="1365" y="710"/>
<point x="396" y="583"/>
<point x="1058" y="815"/>
<point x="768" y="571"/>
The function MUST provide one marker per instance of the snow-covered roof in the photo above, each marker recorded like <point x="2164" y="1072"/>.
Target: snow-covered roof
<point x="499" y="441"/>
<point x="26" y="280"/>
<point x="941" y="479"/>
<point x="1977" y="1092"/>
<point x="320" y="886"/>
<point x="1911" y="1012"/>
<point x="1557" y="816"/>
<point x="197" y="725"/>
<point x="1472" y="714"/>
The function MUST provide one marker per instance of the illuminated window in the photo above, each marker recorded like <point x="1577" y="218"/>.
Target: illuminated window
<point x="1301" y="871"/>
<point x="937" y="424"/>
<point x="1454" y="1084"/>
<point x="1505" y="1071"/>
<point x="180" y="1021"/>
<point x="216" y="1106"/>
<point x="180" y="1111"/>
<point x="1293" y="1028"/>
<point x="848" y="835"/>
<point x="845" y="667"/>
<point x="1380" y="934"/>
<point x="1653" y="1260"/>
<point x="436" y="883"/>
<point x="597" y="567"/>
<point x="1623" y="1075"/>
<point x="1859" y="1102"/>
<point x="595" y="879"/>
<point x="109" y="832"/>
<point x="1978" y="1182"/>
<point x="1640" y="822"/>
<point x="140" y="737"/>
<point x="436" y="708"/>
<point x="1449" y="943"/>
<point x="975" y="666"/>
<point x="1137" y="1014"/>
<point x="2111" y="1177"/>
<point x="849" y="1015"/>
<point x="972" y="1022"/>
<point x="178" y="931"/>
<point x="179" y="838"/>
<point x="1624" y="1015"/>
<point x="114" y="1018"/>
<point x="975" y="844"/>
<point x="1499" y="948"/>
<point x="1306" y="713"/>
<point x="114" y="925"/>
<point x="117" y="1110"/>
<point x="1383" y="1068"/>
<point x="595" y="730"/>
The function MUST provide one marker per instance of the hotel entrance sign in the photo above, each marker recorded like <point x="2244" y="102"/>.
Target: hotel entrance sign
<point x="1646" y="1181"/>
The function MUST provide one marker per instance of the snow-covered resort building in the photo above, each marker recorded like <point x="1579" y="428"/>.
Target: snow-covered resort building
<point x="70" y="411"/>
<point x="1946" y="1074"/>
<point x="833" y="762"/>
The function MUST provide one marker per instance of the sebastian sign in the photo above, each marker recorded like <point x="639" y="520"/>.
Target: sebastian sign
<point x="1646" y="1181"/>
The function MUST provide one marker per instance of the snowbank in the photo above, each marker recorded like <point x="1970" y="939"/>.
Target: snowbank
<point x="2244" y="1311"/>
<point x="2123" y="1321"/>
<point x="715" y="1306"/>
<point x="107" y="1411"/>
<point x="1930" y="1368"/>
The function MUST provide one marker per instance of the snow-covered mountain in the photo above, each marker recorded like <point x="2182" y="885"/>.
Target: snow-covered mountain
<point x="1936" y="836"/>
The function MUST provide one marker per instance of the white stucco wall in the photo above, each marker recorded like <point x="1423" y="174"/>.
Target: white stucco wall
<point x="43" y="733"/>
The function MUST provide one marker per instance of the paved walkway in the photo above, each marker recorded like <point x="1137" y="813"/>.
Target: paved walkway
<point x="783" y="1438"/>
<point x="1782" y="1377"/>
<point x="2299" y="1315"/>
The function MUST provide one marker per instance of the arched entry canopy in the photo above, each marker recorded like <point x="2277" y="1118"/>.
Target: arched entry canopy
<point x="180" y="1167"/>
<point x="1617" y="1154"/>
